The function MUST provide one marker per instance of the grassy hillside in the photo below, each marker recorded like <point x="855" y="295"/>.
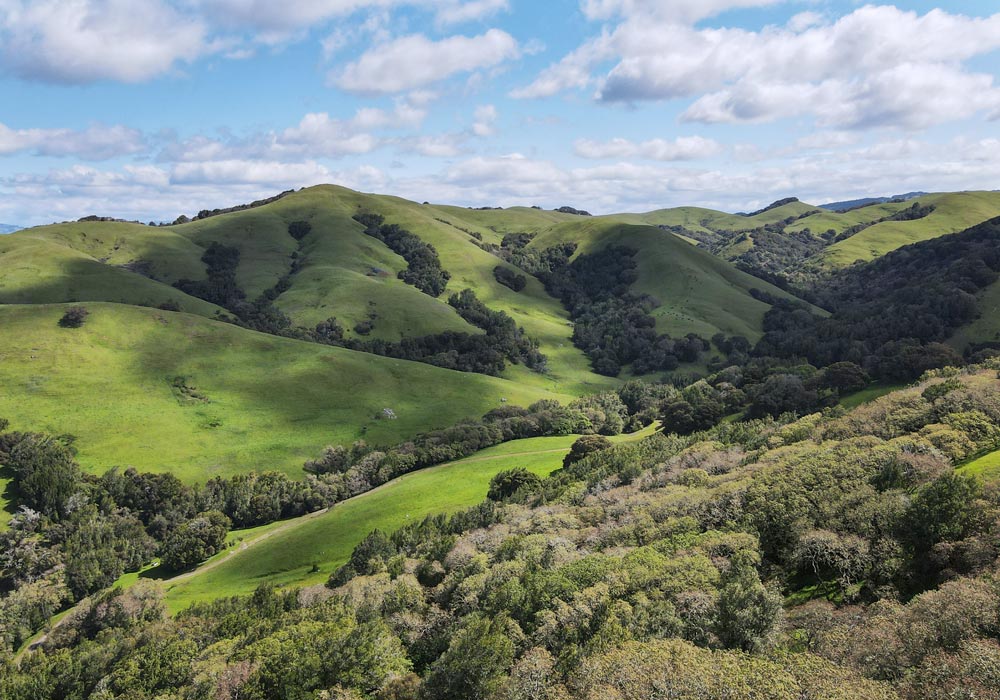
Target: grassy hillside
<point x="953" y="212"/>
<point x="351" y="276"/>
<point x="38" y="269"/>
<point x="166" y="391"/>
<point x="839" y="222"/>
<point x="698" y="292"/>
<point x="292" y="550"/>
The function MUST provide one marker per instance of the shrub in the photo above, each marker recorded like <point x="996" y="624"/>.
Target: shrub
<point x="507" y="483"/>
<point x="74" y="317"/>
<point x="509" y="278"/>
<point x="299" y="229"/>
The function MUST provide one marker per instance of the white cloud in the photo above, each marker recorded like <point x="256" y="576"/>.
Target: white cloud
<point x="878" y="65"/>
<point x="437" y="146"/>
<point x="682" y="148"/>
<point x="455" y="12"/>
<point x="250" y="172"/>
<point x="83" y="41"/>
<point x="674" y="10"/>
<point x="97" y="142"/>
<point x="572" y="72"/>
<point x="272" y="17"/>
<point x="415" y="61"/>
<point x="280" y="18"/>
<point x="317" y="135"/>
<point x="485" y="121"/>
<point x="827" y="139"/>
<point x="164" y="191"/>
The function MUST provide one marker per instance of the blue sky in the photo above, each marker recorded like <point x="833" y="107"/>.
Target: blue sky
<point x="608" y="105"/>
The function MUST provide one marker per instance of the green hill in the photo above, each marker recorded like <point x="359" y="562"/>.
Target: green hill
<point x="341" y="272"/>
<point x="698" y="292"/>
<point x="953" y="212"/>
<point x="165" y="391"/>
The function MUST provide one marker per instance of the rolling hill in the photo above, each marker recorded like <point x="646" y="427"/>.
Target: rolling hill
<point x="167" y="391"/>
<point x="128" y="383"/>
<point x="341" y="272"/>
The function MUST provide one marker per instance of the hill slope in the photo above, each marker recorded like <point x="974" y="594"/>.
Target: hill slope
<point x="338" y="271"/>
<point x="953" y="212"/>
<point x="166" y="391"/>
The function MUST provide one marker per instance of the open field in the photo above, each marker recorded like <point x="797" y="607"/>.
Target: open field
<point x="166" y="391"/>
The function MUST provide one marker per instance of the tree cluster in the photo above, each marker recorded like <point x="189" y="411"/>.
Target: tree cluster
<point x="487" y="353"/>
<point x="612" y="324"/>
<point x="891" y="316"/>
<point x="423" y="268"/>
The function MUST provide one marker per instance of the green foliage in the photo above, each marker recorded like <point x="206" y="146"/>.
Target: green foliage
<point x="195" y="540"/>
<point x="748" y="612"/>
<point x="585" y="446"/>
<point x="47" y="473"/>
<point x="509" y="278"/>
<point x="942" y="510"/>
<point x="74" y="317"/>
<point x="476" y="661"/>
<point x="509" y="482"/>
<point x="423" y="265"/>
<point x="299" y="229"/>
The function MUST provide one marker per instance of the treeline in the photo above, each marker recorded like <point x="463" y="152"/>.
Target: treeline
<point x="503" y="341"/>
<point x="360" y="467"/>
<point x="423" y="268"/>
<point x="889" y="323"/>
<point x="489" y="353"/>
<point x="208" y="213"/>
<point x="75" y="533"/>
<point x="539" y="262"/>
<point x="220" y="288"/>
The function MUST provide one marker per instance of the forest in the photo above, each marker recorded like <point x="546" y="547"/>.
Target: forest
<point x="837" y="554"/>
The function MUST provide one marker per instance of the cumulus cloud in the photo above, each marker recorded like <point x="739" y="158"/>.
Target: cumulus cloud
<point x="682" y="148"/>
<point x="97" y="142"/>
<point x="436" y="146"/>
<point x="485" y="120"/>
<point x="572" y="72"/>
<point x="278" y="18"/>
<point x="317" y="135"/>
<point x="455" y="12"/>
<point x="249" y="171"/>
<point x="83" y="41"/>
<point x="165" y="190"/>
<point x="415" y="61"/>
<point x="878" y="65"/>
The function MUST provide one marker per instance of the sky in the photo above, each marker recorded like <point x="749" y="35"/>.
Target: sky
<point x="148" y="109"/>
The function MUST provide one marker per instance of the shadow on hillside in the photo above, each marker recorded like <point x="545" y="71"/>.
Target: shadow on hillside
<point x="10" y="494"/>
<point x="83" y="280"/>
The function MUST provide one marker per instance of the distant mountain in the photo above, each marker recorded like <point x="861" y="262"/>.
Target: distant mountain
<point x="9" y="228"/>
<point x="864" y="202"/>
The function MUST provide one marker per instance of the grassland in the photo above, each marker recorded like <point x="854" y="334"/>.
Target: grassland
<point x="986" y="467"/>
<point x="289" y="555"/>
<point x="36" y="270"/>
<point x="986" y="328"/>
<point x="953" y="212"/>
<point x="166" y="391"/>
<point x="698" y="292"/>
<point x="351" y="276"/>
<point x="869" y="394"/>
<point x="841" y="221"/>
